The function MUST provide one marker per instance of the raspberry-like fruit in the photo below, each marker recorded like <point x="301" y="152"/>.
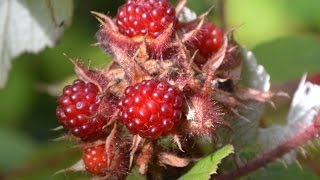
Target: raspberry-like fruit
<point x="150" y="108"/>
<point x="77" y="110"/>
<point x="96" y="159"/>
<point x="209" y="39"/>
<point x="145" y="17"/>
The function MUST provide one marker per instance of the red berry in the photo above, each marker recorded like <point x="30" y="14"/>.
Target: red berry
<point x="77" y="109"/>
<point x="209" y="39"/>
<point x="314" y="78"/>
<point x="150" y="108"/>
<point x="145" y="17"/>
<point x="96" y="159"/>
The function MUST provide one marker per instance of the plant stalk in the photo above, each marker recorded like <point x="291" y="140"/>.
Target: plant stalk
<point x="222" y="13"/>
<point x="294" y="142"/>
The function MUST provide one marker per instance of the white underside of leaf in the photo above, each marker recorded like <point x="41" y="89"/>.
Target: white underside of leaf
<point x="187" y="15"/>
<point x="30" y="26"/>
<point x="304" y="107"/>
<point x="258" y="78"/>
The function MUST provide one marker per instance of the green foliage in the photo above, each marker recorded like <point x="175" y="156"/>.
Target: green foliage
<point x="15" y="147"/>
<point x="17" y="97"/>
<point x="134" y="175"/>
<point x="263" y="20"/>
<point x="207" y="166"/>
<point x="46" y="160"/>
<point x="288" y="58"/>
<point x="278" y="171"/>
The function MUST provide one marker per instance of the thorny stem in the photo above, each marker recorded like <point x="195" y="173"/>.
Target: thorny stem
<point x="294" y="142"/>
<point x="222" y="13"/>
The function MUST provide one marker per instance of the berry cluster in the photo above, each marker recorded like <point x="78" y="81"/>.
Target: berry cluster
<point x="145" y="17"/>
<point x="131" y="102"/>
<point x="150" y="108"/>
<point x="77" y="110"/>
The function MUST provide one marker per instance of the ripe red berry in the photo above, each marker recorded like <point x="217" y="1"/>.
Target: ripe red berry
<point x="145" y="17"/>
<point x="77" y="110"/>
<point x="314" y="78"/>
<point x="209" y="39"/>
<point x="96" y="159"/>
<point x="150" y="108"/>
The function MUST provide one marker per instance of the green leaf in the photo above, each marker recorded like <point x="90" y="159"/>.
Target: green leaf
<point x="272" y="21"/>
<point x="208" y="165"/>
<point x="18" y="94"/>
<point x="289" y="57"/>
<point x="305" y="12"/>
<point x="134" y="175"/>
<point x="277" y="171"/>
<point x="277" y="18"/>
<point x="15" y="147"/>
<point x="47" y="159"/>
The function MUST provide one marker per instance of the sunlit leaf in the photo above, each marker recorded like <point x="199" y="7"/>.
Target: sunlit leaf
<point x="207" y="166"/>
<point x="271" y="23"/>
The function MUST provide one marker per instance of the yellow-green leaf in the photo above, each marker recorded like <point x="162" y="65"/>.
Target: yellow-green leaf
<point x="207" y="166"/>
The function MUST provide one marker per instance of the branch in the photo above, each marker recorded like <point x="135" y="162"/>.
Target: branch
<point x="222" y="13"/>
<point x="294" y="142"/>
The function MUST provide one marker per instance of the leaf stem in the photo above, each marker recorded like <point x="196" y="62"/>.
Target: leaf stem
<point x="294" y="142"/>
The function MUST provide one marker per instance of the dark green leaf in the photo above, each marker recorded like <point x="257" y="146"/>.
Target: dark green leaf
<point x="277" y="171"/>
<point x="14" y="148"/>
<point x="289" y="57"/>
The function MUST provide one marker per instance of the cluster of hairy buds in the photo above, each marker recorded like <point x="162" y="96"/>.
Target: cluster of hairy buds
<point x="170" y="78"/>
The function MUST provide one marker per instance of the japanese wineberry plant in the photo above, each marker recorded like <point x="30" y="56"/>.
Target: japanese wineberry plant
<point x="174" y="84"/>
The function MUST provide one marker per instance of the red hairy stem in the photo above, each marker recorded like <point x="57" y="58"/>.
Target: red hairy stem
<point x="294" y="142"/>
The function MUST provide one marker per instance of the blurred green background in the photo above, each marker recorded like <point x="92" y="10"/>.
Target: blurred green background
<point x="284" y="35"/>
